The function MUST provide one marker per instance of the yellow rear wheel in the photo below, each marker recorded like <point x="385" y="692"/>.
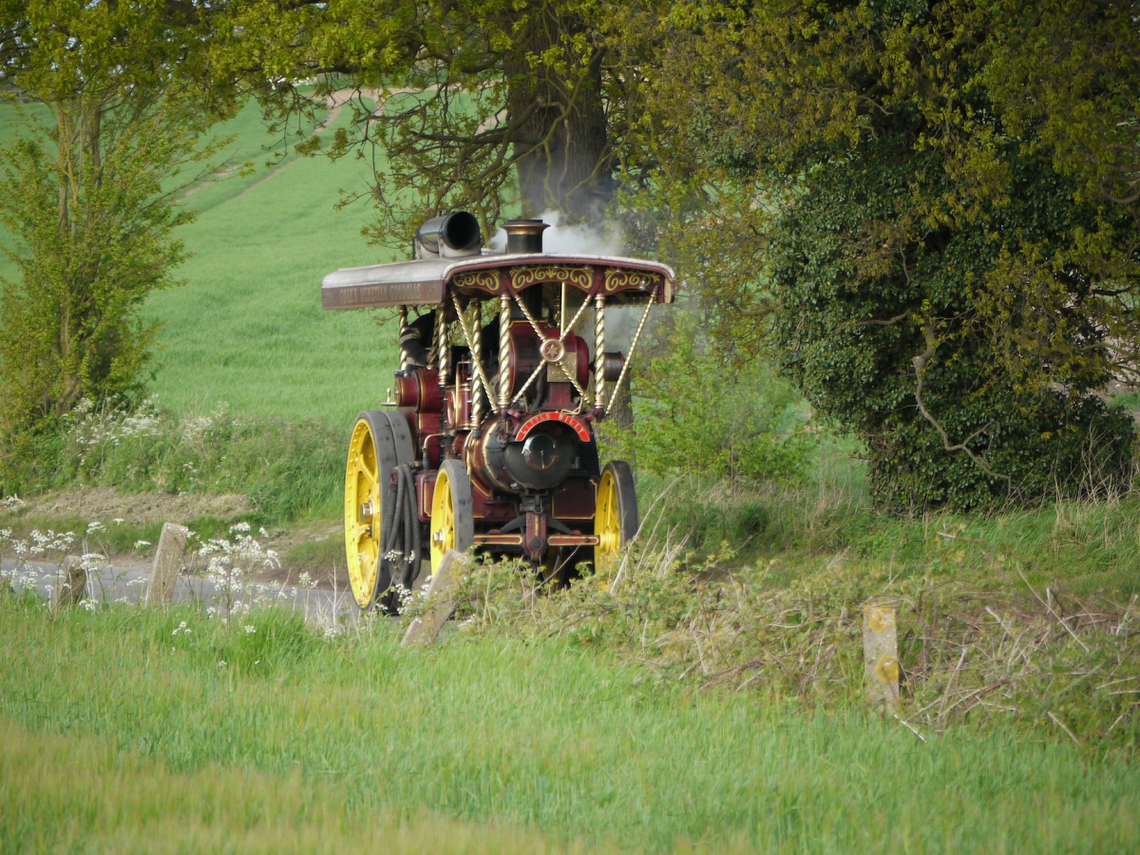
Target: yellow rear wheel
<point x="367" y="493"/>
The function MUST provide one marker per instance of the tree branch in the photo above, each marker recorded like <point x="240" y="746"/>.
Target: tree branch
<point x="920" y="363"/>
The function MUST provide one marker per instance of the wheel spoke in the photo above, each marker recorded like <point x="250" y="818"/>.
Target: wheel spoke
<point x="369" y="476"/>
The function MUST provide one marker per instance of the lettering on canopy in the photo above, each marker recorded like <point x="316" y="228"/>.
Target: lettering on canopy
<point x="381" y="294"/>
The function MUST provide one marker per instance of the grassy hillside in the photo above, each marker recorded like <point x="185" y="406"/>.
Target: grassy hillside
<point x="247" y="329"/>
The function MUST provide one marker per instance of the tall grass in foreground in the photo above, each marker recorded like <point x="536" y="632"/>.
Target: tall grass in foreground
<point x="82" y="794"/>
<point x="336" y="743"/>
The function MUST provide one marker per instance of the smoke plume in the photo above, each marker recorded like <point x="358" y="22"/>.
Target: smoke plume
<point x="571" y="239"/>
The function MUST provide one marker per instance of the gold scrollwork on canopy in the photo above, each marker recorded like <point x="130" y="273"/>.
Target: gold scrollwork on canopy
<point x="488" y="280"/>
<point x="615" y="279"/>
<point x="580" y="277"/>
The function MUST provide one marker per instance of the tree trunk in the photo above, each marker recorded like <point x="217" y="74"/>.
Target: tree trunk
<point x="559" y="124"/>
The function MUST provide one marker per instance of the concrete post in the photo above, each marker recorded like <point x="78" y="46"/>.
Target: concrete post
<point x="70" y="584"/>
<point x="881" y="658"/>
<point x="425" y="628"/>
<point x="167" y="564"/>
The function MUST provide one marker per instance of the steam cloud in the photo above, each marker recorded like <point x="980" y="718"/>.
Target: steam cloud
<point x="586" y="240"/>
<point x="577" y="239"/>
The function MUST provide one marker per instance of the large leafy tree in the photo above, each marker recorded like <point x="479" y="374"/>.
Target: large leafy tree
<point x="117" y="98"/>
<point x="930" y="209"/>
<point x="463" y="103"/>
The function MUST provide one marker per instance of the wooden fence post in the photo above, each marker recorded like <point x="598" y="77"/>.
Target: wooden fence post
<point x="881" y="658"/>
<point x="70" y="584"/>
<point x="167" y="564"/>
<point x="425" y="628"/>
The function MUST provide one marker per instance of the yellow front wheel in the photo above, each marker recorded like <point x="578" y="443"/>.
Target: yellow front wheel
<point x="452" y="512"/>
<point x="615" y="515"/>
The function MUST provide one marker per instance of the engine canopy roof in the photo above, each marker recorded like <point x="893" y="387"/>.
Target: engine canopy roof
<point x="429" y="281"/>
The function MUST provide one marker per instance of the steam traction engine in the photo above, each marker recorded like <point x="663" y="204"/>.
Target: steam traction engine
<point x="489" y="442"/>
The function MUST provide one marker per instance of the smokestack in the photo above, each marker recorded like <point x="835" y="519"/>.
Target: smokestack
<point x="451" y="236"/>
<point x="524" y="236"/>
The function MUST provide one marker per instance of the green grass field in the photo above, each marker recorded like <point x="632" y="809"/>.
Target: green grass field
<point x="247" y="329"/>
<point x="123" y="736"/>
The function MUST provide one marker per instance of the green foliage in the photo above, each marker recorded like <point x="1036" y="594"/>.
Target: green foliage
<point x="697" y="415"/>
<point x="1049" y="444"/>
<point x="932" y="223"/>
<point x="70" y="327"/>
<point x="824" y="510"/>
<point x="88" y="194"/>
<point x="900" y="358"/>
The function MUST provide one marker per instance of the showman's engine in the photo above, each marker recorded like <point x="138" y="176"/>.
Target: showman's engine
<point x="489" y="443"/>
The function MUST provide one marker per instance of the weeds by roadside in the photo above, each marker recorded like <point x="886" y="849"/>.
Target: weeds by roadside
<point x="983" y="640"/>
<point x="288" y="470"/>
<point x="225" y="588"/>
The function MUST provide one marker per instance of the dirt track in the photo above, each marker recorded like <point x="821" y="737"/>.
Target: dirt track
<point x="334" y="103"/>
